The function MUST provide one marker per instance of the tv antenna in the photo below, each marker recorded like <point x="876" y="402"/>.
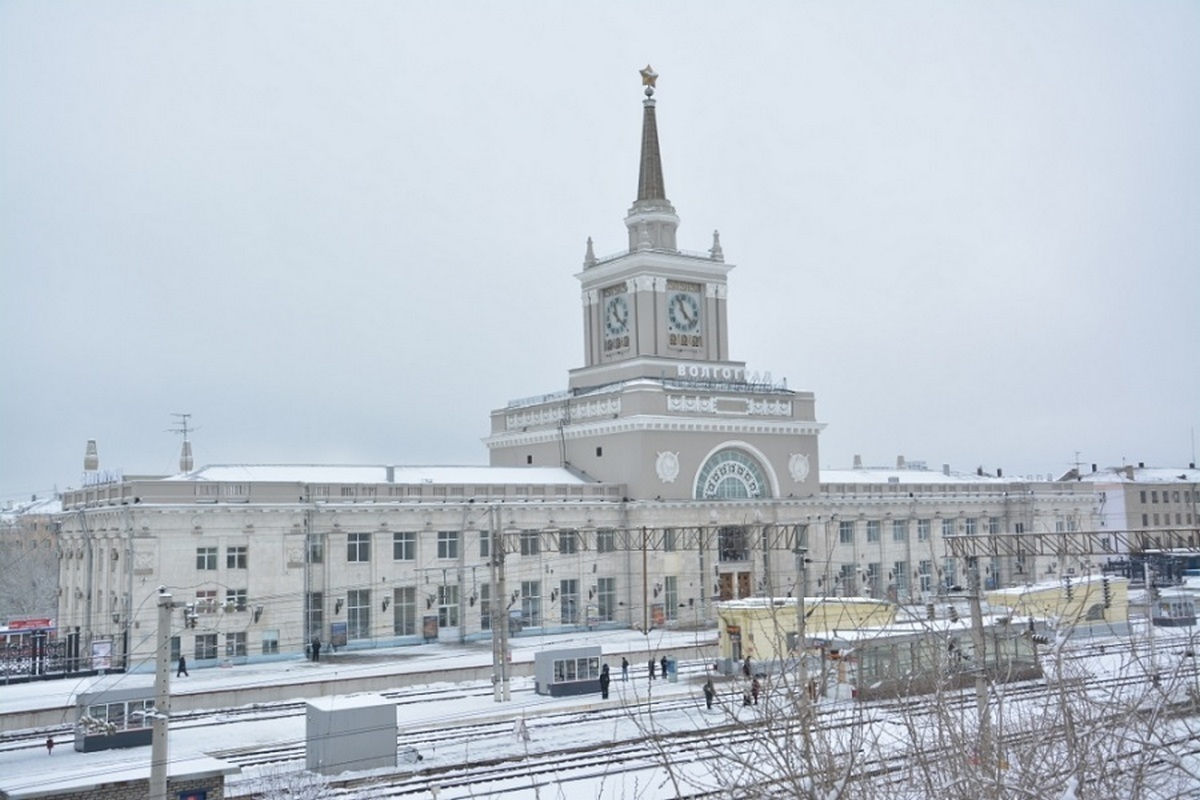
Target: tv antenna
<point x="185" y="453"/>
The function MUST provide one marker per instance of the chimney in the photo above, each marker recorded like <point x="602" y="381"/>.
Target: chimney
<point x="91" y="459"/>
<point x="1141" y="465"/>
<point x="899" y="462"/>
<point x="979" y="471"/>
<point x="391" y="470"/>
<point x="945" y="469"/>
<point x="857" y="461"/>
<point x="1093" y="467"/>
<point x="999" y="472"/>
<point x="185" y="457"/>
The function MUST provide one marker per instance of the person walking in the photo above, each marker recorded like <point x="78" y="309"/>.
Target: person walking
<point x="652" y="668"/>
<point x="746" y="667"/>
<point x="316" y="648"/>
<point x="604" y="680"/>
<point x="755" y="688"/>
<point x="709" y="693"/>
<point x="664" y="666"/>
<point x="624" y="668"/>
<point x="49" y="745"/>
<point x="182" y="671"/>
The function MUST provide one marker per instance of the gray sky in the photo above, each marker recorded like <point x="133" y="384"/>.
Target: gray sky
<point x="346" y="232"/>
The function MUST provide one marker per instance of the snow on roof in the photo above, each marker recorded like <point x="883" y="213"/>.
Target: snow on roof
<point x="350" y="473"/>
<point x="1050" y="586"/>
<point x="1131" y="474"/>
<point x="69" y="773"/>
<point x="347" y="702"/>
<point x="784" y="602"/>
<point x="44" y="505"/>
<point x="905" y="476"/>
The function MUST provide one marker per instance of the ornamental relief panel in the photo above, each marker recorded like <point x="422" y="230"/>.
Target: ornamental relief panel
<point x="555" y="414"/>
<point x="702" y="405"/>
<point x="143" y="563"/>
<point x="769" y="408"/>
<point x="709" y="405"/>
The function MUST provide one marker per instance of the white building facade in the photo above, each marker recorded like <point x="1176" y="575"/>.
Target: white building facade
<point x="663" y="478"/>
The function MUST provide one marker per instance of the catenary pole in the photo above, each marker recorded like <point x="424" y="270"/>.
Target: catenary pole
<point x="162" y="700"/>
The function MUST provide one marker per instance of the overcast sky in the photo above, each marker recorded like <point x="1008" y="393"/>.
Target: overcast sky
<point x="345" y="232"/>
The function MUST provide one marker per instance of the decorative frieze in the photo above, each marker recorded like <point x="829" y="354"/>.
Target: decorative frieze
<point x="552" y="415"/>
<point x="753" y="407"/>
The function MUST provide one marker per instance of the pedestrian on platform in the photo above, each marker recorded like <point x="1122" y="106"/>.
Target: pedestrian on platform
<point x="664" y="666"/>
<point x="709" y="693"/>
<point x="653" y="666"/>
<point x="604" y="680"/>
<point x="316" y="648"/>
<point x="755" y="688"/>
<point x="182" y="671"/>
<point x="49" y="745"/>
<point x="624" y="668"/>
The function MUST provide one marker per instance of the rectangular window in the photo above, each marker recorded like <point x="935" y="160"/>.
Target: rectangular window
<point x="358" y="547"/>
<point x="176" y="647"/>
<point x="606" y="540"/>
<point x="485" y="607"/>
<point x="235" y="644"/>
<point x="206" y="558"/>
<point x="606" y="596"/>
<point x="358" y="613"/>
<point x="925" y="571"/>
<point x="568" y="597"/>
<point x="316" y="548"/>
<point x="270" y="642"/>
<point x="899" y="530"/>
<point x="235" y="557"/>
<point x="235" y="599"/>
<point x="671" y="596"/>
<point x="872" y="530"/>
<point x="448" y="606"/>
<point x="669" y="540"/>
<point x="568" y="543"/>
<point x="972" y="526"/>
<point x="872" y="578"/>
<point x="531" y="604"/>
<point x="1145" y="520"/>
<point x="206" y="646"/>
<point x="846" y="531"/>
<point x="531" y="543"/>
<point x="485" y="544"/>
<point x="947" y="527"/>
<point x="1018" y="527"/>
<point x="404" y="611"/>
<point x="404" y="546"/>
<point x="847" y="586"/>
<point x="1154" y="496"/>
<point x="314" y="610"/>
<point x="949" y="573"/>
<point x="924" y="529"/>
<point x="1142" y="496"/>
<point x="993" y="525"/>
<point x="447" y="544"/>
<point x="733" y="544"/>
<point x="206" y="601"/>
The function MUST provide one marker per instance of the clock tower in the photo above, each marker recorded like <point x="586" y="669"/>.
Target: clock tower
<point x="658" y="404"/>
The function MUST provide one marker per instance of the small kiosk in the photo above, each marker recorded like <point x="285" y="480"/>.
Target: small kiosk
<point x="1173" y="608"/>
<point x="559" y="673"/>
<point x="113" y="719"/>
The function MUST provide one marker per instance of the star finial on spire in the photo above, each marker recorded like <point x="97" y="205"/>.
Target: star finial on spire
<point x="649" y="77"/>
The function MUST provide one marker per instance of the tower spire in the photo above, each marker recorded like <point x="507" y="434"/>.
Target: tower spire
<point x="650" y="174"/>
<point x="651" y="220"/>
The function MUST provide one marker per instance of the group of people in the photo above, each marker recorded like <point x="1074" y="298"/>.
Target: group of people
<point x="749" y="697"/>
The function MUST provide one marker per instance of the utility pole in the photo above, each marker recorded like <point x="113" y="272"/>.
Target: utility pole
<point x="980" y="643"/>
<point x="499" y="612"/>
<point x="162" y="699"/>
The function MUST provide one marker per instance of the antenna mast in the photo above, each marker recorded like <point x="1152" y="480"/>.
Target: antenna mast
<point x="181" y="427"/>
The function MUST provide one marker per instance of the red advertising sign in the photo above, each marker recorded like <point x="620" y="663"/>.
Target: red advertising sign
<point x="29" y="624"/>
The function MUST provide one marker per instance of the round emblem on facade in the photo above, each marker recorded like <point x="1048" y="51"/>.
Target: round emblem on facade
<point x="798" y="466"/>
<point x="667" y="467"/>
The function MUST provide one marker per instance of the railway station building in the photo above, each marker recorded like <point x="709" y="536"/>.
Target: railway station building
<point x="664" y="478"/>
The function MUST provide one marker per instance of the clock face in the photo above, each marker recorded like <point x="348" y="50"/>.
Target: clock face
<point x="616" y="315"/>
<point x="683" y="312"/>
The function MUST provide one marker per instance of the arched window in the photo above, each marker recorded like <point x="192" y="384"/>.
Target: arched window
<point x="731" y="475"/>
